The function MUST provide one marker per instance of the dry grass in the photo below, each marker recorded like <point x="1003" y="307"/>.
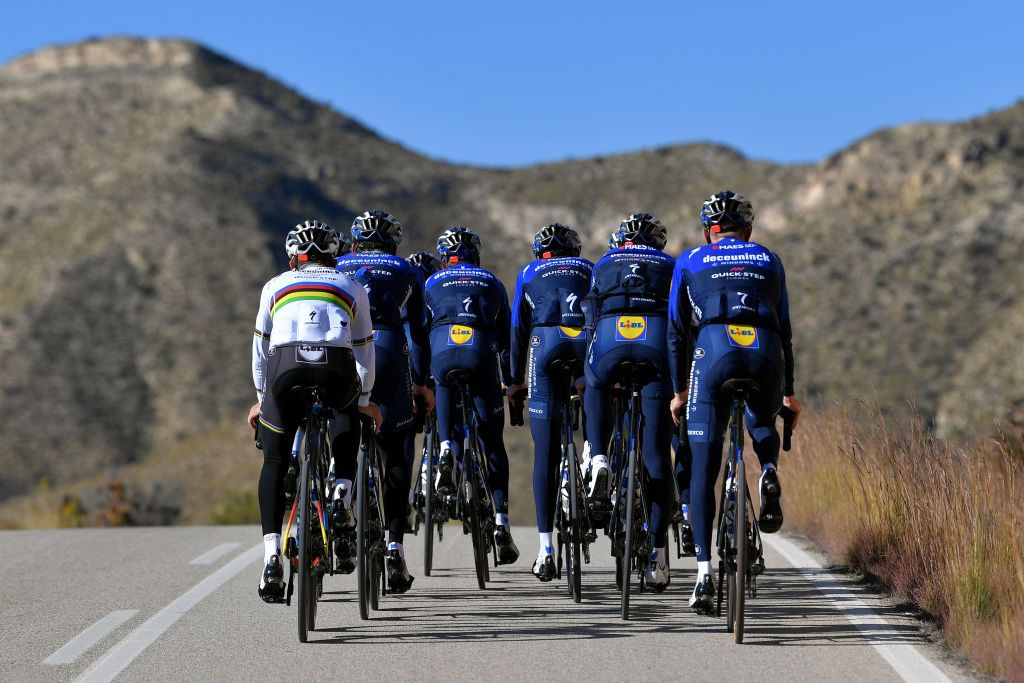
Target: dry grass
<point x="939" y="524"/>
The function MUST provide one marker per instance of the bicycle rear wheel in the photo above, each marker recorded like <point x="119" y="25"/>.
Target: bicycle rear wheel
<point x="741" y="551"/>
<point x="363" y="568"/>
<point x="475" y="524"/>
<point x="628" y="540"/>
<point x="428" y="502"/>
<point x="303" y="538"/>
<point x="573" y="549"/>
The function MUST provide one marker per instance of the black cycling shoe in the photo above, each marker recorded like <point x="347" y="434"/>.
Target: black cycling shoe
<point x="272" y="587"/>
<point x="507" y="550"/>
<point x="545" y="570"/>
<point x="399" y="579"/>
<point x="703" y="599"/>
<point x="770" y="519"/>
<point x="688" y="547"/>
<point x="345" y="554"/>
<point x="445" y="482"/>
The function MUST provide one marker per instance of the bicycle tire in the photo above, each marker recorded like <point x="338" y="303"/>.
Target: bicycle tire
<point x="428" y="503"/>
<point x="574" y="552"/>
<point x="741" y="550"/>
<point x="627" y="546"/>
<point x="302" y="533"/>
<point x="476" y="529"/>
<point x="376" y="578"/>
<point x="362" y="549"/>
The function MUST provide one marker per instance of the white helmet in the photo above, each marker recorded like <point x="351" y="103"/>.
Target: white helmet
<point x="312" y="235"/>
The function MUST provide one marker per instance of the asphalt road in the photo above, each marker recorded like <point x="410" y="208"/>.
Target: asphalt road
<point x="180" y="603"/>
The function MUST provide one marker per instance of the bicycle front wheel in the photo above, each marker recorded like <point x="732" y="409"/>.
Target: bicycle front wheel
<point x="428" y="502"/>
<point x="573" y="550"/>
<point x="475" y="524"/>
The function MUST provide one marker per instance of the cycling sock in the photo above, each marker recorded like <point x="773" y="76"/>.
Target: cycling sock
<point x="343" y="490"/>
<point x="767" y="466"/>
<point x="501" y="519"/>
<point x="703" y="569"/>
<point x="545" y="544"/>
<point x="685" y="509"/>
<point x="271" y="546"/>
<point x="446" y="446"/>
<point x="397" y="546"/>
<point x="658" y="555"/>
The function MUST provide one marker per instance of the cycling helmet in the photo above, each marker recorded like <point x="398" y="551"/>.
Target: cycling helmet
<point x="556" y="240"/>
<point x="459" y="243"/>
<point x="425" y="261"/>
<point x="311" y="235"/>
<point x="613" y="241"/>
<point x="726" y="211"/>
<point x="378" y="229"/>
<point x="641" y="228"/>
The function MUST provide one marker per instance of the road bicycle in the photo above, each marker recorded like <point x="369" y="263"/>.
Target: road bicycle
<point x="370" y="522"/>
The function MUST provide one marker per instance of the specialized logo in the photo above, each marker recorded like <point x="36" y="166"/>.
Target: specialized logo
<point x="569" y="332"/>
<point x="466" y="302"/>
<point x="460" y="335"/>
<point x="311" y="354"/>
<point x="571" y="300"/>
<point x="630" y="328"/>
<point x="633" y="267"/>
<point x="743" y="336"/>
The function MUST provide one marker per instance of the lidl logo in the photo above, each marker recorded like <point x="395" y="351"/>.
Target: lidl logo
<point x="743" y="336"/>
<point x="460" y="335"/>
<point x="569" y="332"/>
<point x="631" y="328"/>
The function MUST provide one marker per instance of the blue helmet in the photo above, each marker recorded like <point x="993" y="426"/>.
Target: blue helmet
<point x="377" y="229"/>
<point x="459" y="243"/>
<point x="726" y="211"/>
<point x="641" y="228"/>
<point x="556" y="240"/>
<point x="426" y="262"/>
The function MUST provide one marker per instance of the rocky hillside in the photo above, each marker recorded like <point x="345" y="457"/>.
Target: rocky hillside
<point x="146" y="186"/>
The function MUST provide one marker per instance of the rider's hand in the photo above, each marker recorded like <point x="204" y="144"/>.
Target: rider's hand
<point x="254" y="415"/>
<point x="427" y="395"/>
<point x="514" y="393"/>
<point x="678" y="407"/>
<point x="794" y="405"/>
<point x="373" y="411"/>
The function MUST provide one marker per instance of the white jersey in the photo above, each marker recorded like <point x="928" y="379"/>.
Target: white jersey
<point x="318" y="306"/>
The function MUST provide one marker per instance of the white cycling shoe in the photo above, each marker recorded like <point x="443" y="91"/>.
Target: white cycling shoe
<point x="656" y="574"/>
<point x="598" y="480"/>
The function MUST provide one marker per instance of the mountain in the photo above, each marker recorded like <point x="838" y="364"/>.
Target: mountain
<point x="146" y="186"/>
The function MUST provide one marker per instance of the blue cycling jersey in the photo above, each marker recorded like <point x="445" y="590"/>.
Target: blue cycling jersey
<point x="731" y="282"/>
<point x="549" y="293"/>
<point x="467" y="296"/>
<point x="395" y="290"/>
<point x="634" y="279"/>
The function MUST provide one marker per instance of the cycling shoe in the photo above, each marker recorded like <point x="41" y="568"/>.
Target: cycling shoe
<point x="703" y="599"/>
<point x="444" y="482"/>
<point x="345" y="554"/>
<point x="507" y="550"/>
<point x="272" y="585"/>
<point x="544" y="568"/>
<point x="770" y="518"/>
<point x="399" y="579"/>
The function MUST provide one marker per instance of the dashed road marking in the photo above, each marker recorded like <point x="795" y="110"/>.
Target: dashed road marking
<point x="90" y="636"/>
<point x="124" y="653"/>
<point x="215" y="553"/>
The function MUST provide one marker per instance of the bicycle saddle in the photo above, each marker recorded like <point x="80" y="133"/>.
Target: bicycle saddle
<point x="457" y="376"/>
<point x="741" y="388"/>
<point x="635" y="372"/>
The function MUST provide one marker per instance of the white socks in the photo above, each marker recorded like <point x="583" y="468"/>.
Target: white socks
<point x="703" y="569"/>
<point x="446" y="445"/>
<point x="501" y="519"/>
<point x="271" y="546"/>
<point x="545" y="544"/>
<point x="397" y="546"/>
<point x="658" y="555"/>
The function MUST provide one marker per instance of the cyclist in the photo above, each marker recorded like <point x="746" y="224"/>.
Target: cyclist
<point x="627" y="311"/>
<point x="468" y="312"/>
<point x="729" y="313"/>
<point x="395" y="292"/>
<point x="547" y="325"/>
<point x="426" y="264"/>
<point x="313" y="329"/>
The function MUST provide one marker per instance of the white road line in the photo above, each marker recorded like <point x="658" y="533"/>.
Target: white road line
<point x="90" y="636"/>
<point x="121" y="655"/>
<point x="215" y="553"/>
<point x="908" y="662"/>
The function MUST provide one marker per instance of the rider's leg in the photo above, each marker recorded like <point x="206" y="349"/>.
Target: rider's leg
<point x="764" y="366"/>
<point x="547" y="455"/>
<point x="657" y="445"/>
<point x="396" y="482"/>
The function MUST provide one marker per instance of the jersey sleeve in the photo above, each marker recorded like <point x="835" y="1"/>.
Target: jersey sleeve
<point x="521" y="324"/>
<point x="362" y="343"/>
<point x="503" y="330"/>
<point x="680" y="339"/>
<point x="419" y="333"/>
<point x="786" y="333"/>
<point x="261" y="342"/>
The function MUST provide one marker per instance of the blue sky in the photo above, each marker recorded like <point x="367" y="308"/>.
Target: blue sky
<point x="521" y="82"/>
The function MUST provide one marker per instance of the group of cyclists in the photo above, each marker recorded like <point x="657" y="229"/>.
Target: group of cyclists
<point x="380" y="334"/>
